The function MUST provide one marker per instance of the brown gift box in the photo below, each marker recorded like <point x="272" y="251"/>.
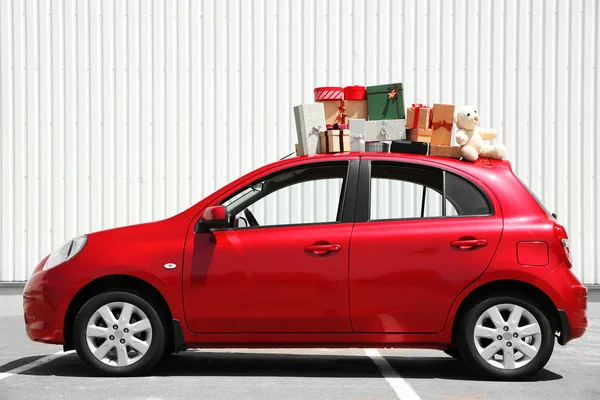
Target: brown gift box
<point x="333" y="108"/>
<point x="445" y="151"/>
<point x="419" y="135"/>
<point x="441" y="124"/>
<point x="423" y="117"/>
<point x="334" y="141"/>
<point x="356" y="109"/>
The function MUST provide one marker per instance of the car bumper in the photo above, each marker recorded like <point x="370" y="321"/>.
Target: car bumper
<point x="46" y="298"/>
<point x="571" y="304"/>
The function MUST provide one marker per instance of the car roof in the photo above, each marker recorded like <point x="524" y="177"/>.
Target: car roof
<point x="418" y="158"/>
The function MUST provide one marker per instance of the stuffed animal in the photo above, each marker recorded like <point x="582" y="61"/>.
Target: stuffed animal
<point x="470" y="136"/>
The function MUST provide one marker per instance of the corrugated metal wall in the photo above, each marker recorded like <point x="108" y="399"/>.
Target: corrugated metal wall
<point x="116" y="112"/>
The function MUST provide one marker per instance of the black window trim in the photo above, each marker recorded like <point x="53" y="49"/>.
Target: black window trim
<point x="363" y="205"/>
<point x="346" y="203"/>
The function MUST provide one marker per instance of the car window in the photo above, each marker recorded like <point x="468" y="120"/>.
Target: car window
<point x="306" y="195"/>
<point x="401" y="191"/>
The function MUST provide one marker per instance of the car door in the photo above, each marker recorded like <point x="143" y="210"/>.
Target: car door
<point x="421" y="235"/>
<point x="288" y="274"/>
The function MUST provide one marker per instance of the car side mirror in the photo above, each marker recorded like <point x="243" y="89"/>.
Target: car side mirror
<point x="215" y="217"/>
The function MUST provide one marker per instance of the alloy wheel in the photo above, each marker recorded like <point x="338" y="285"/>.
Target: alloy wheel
<point x="119" y="334"/>
<point x="507" y="336"/>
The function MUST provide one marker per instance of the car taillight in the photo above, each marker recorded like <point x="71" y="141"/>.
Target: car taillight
<point x="563" y="241"/>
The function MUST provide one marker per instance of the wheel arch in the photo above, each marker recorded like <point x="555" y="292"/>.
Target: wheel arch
<point x="120" y="282"/>
<point x="509" y="287"/>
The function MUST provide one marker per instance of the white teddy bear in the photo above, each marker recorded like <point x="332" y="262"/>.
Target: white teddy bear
<point x="470" y="136"/>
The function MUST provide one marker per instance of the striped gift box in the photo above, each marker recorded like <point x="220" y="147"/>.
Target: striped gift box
<point x="329" y="93"/>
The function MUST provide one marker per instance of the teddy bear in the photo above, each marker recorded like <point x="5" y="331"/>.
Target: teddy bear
<point x="470" y="136"/>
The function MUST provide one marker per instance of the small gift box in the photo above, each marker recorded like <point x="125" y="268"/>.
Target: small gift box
<point x="445" y="151"/>
<point x="385" y="129"/>
<point x="335" y="139"/>
<point x="332" y="98"/>
<point x="310" y="119"/>
<point x="357" y="134"/>
<point x="419" y="135"/>
<point x="409" y="147"/>
<point x="385" y="101"/>
<point x="441" y="124"/>
<point x="376" y="146"/>
<point x="418" y="116"/>
<point x="355" y="101"/>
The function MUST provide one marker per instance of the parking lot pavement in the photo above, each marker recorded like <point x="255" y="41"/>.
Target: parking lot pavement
<point x="572" y="373"/>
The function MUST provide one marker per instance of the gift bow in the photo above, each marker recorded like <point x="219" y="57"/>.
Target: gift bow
<point x="316" y="129"/>
<point x="447" y="125"/>
<point x="341" y="113"/>
<point x="357" y="137"/>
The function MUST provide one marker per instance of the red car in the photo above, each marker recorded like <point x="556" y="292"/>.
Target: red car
<point x="479" y="269"/>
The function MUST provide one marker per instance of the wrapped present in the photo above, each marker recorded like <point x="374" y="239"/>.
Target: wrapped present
<point x="419" y="135"/>
<point x="332" y="98"/>
<point x="409" y="147"/>
<point x="377" y="146"/>
<point x="355" y="101"/>
<point x="357" y="134"/>
<point x="418" y="116"/>
<point x="310" y="120"/>
<point x="385" y="101"/>
<point x="336" y="139"/>
<point x="385" y="129"/>
<point x="441" y="124"/>
<point x="445" y="151"/>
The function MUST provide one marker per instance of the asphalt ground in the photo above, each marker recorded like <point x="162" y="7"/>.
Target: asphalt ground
<point x="572" y="373"/>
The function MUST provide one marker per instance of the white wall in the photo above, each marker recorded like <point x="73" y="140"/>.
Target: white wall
<point x="117" y="112"/>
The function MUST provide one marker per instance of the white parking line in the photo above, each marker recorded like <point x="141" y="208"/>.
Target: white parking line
<point x="403" y="390"/>
<point x="33" y="364"/>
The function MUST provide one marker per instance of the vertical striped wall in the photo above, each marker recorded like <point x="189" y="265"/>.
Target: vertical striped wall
<point x="114" y="112"/>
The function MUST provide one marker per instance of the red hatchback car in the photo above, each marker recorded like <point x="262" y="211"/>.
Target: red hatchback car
<point x="478" y="268"/>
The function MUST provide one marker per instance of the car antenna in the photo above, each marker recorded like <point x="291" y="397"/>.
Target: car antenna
<point x="283" y="158"/>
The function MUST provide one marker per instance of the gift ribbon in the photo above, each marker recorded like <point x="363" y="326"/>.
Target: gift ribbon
<point x="341" y="117"/>
<point x="357" y="137"/>
<point x="417" y="108"/>
<point x="383" y="132"/>
<point x="447" y="125"/>
<point x="392" y="94"/>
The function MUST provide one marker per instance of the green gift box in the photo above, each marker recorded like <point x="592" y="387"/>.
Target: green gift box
<point x="385" y="101"/>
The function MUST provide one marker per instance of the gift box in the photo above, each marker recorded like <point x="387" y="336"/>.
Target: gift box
<point x="310" y="120"/>
<point x="445" y="151"/>
<point x="332" y="98"/>
<point x="441" y="124"/>
<point x="419" y="135"/>
<point x="418" y="116"/>
<point x="377" y="146"/>
<point x="385" y="101"/>
<point x="336" y="139"/>
<point x="355" y="101"/>
<point x="385" y="129"/>
<point x="357" y="134"/>
<point x="409" y="147"/>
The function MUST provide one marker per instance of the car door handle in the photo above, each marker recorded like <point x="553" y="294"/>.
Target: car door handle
<point x="322" y="249"/>
<point x="469" y="243"/>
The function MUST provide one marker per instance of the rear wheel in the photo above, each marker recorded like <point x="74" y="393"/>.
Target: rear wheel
<point x="505" y="337"/>
<point x="119" y="333"/>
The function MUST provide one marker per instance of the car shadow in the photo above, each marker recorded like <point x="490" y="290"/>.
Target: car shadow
<point x="254" y="364"/>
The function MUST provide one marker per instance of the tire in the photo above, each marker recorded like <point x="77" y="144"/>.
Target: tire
<point x="531" y="348"/>
<point x="134" y="348"/>
<point x="453" y="352"/>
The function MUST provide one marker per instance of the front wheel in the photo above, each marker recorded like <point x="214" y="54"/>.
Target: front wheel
<point x="505" y="338"/>
<point x="119" y="333"/>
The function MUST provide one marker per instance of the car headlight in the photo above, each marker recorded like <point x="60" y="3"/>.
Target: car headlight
<point x="65" y="252"/>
